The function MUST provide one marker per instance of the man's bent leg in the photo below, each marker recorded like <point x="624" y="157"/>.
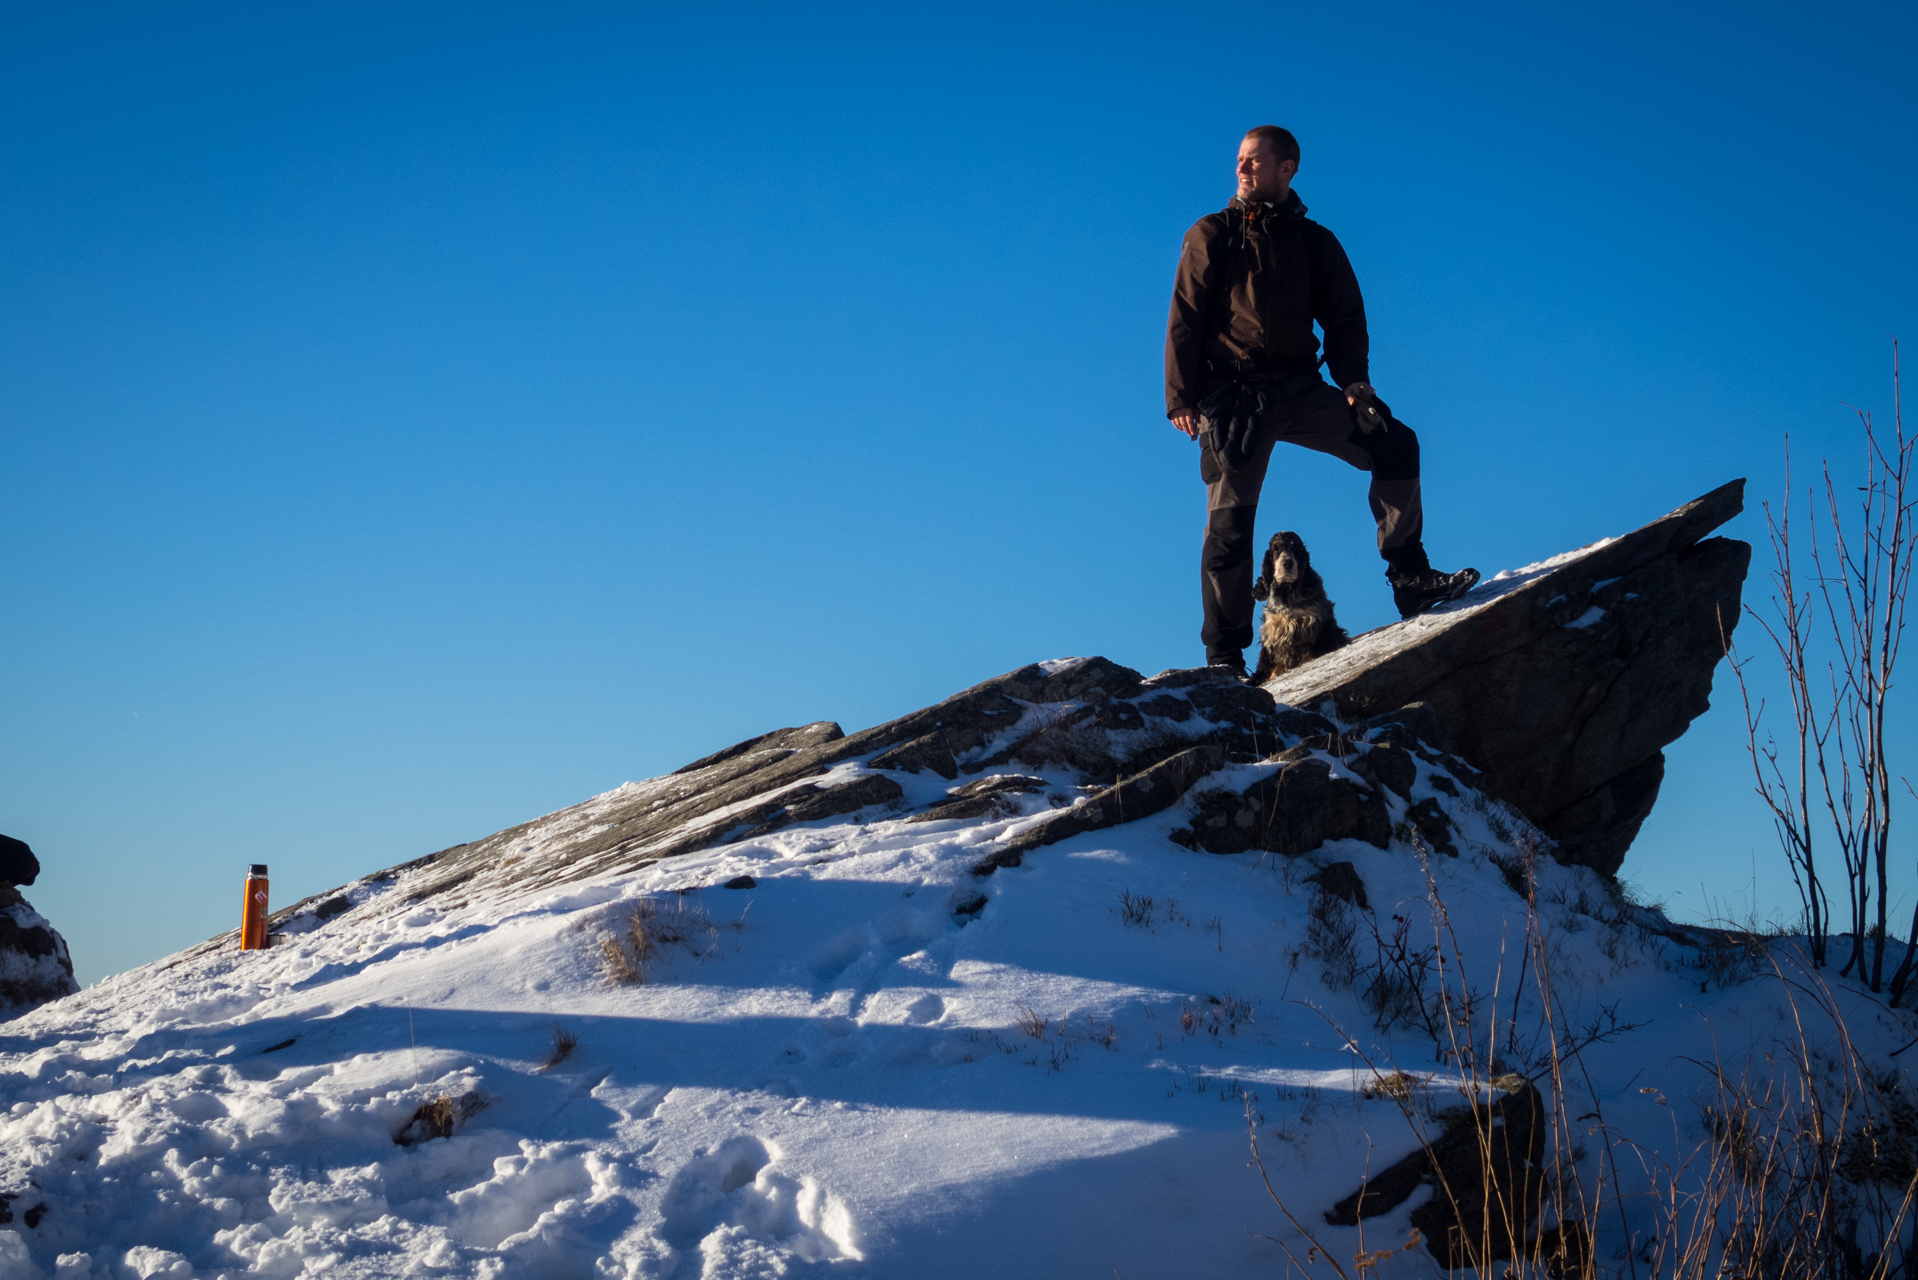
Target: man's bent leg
<point x="1398" y="504"/>
<point x="1323" y="422"/>
<point x="1320" y="420"/>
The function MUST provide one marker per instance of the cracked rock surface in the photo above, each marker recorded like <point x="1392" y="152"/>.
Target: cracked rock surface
<point x="1564" y="683"/>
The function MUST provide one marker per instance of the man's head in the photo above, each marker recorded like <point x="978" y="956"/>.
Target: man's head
<point x="1268" y="157"/>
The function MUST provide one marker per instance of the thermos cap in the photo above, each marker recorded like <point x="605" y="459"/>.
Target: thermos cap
<point x="259" y="869"/>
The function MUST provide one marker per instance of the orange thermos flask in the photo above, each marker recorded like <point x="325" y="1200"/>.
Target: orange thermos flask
<point x="253" y="916"/>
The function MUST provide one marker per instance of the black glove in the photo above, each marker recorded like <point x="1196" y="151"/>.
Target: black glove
<point x="1369" y="413"/>
<point x="1231" y="416"/>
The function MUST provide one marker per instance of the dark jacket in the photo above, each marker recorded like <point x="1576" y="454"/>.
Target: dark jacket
<point x="1252" y="279"/>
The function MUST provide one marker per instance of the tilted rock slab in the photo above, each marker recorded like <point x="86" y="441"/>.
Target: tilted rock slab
<point x="1565" y="683"/>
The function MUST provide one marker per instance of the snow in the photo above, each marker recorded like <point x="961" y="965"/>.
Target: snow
<point x="849" y="1070"/>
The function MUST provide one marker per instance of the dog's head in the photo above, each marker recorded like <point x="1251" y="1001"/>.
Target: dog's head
<point x="1287" y="564"/>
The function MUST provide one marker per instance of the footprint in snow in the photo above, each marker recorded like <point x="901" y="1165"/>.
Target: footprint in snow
<point x="730" y="1212"/>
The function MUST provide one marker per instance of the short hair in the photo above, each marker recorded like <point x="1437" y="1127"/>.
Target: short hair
<point x="1280" y="140"/>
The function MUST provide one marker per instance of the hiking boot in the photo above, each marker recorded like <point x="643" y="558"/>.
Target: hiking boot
<point x="1232" y="664"/>
<point x="1414" y="591"/>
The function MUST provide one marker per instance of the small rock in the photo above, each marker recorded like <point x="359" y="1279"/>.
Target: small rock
<point x="1388" y="766"/>
<point x="986" y="796"/>
<point x="741" y="882"/>
<point x="966" y="906"/>
<point x="34" y="964"/>
<point x="1341" y="880"/>
<point x="1429" y="820"/>
<point x="17" y="863"/>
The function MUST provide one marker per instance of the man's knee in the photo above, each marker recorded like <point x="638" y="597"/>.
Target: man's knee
<point x="1228" y="538"/>
<point x="1395" y="453"/>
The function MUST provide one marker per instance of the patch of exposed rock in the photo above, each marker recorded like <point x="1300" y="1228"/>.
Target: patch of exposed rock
<point x="1486" y="1170"/>
<point x="34" y="964"/>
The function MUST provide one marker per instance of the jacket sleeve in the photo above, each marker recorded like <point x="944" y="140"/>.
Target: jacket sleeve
<point x="1185" y="328"/>
<point x="1340" y="311"/>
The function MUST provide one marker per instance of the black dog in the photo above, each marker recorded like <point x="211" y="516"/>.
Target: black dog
<point x="1298" y="625"/>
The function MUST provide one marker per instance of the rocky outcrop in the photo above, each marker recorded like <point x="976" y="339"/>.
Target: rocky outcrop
<point x="1554" y="689"/>
<point x="1564" y="683"/>
<point x="34" y="964"/>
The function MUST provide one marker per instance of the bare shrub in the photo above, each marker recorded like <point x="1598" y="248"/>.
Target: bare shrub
<point x="1395" y="988"/>
<point x="1135" y="909"/>
<point x="1836" y="640"/>
<point x="1331" y="937"/>
<point x="1731" y="958"/>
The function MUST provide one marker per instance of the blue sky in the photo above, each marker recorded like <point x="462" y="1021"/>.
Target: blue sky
<point x="417" y="419"/>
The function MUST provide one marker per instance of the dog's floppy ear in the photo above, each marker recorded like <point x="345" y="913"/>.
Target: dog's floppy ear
<point x="1262" y="586"/>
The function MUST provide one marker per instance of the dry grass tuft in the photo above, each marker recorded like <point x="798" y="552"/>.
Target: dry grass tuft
<point x="1034" y="1024"/>
<point x="440" y="1117"/>
<point x="646" y="933"/>
<point x="1397" y="1085"/>
<point x="564" y="1042"/>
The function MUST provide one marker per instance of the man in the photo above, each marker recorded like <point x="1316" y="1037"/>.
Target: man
<point x="1242" y="374"/>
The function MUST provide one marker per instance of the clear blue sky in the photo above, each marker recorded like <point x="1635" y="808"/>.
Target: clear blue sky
<point x="414" y="419"/>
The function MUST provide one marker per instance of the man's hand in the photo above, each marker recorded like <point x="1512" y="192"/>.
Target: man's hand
<point x="1188" y="422"/>
<point x="1353" y="392"/>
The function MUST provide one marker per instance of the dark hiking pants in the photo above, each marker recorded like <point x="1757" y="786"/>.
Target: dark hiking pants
<point x="1317" y="418"/>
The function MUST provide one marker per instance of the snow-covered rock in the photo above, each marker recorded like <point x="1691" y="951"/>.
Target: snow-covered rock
<point x="1564" y="681"/>
<point x="34" y="964"/>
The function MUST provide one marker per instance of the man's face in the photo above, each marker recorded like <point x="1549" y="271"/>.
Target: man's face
<point x="1262" y="175"/>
